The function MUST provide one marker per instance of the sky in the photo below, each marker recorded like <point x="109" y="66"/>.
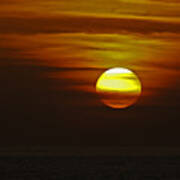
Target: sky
<point x="52" y="53"/>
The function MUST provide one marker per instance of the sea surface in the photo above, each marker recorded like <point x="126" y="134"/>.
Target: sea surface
<point x="90" y="168"/>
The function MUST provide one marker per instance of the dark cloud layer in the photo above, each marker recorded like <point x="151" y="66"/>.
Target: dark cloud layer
<point x="68" y="24"/>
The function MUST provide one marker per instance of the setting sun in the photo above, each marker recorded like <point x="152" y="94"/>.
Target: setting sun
<point x="118" y="87"/>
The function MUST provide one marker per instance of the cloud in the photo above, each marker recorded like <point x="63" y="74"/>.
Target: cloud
<point x="83" y="24"/>
<point x="167" y="1"/>
<point x="77" y="59"/>
<point x="161" y="8"/>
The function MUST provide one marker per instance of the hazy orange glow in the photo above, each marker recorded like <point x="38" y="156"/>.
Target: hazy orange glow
<point x="78" y="37"/>
<point x="52" y="53"/>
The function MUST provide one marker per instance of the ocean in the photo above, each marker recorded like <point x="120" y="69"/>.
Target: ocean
<point x="89" y="168"/>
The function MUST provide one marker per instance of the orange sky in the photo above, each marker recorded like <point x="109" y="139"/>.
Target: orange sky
<point x="52" y="53"/>
<point x="143" y="36"/>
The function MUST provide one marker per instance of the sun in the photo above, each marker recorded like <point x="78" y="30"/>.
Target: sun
<point x="118" y="88"/>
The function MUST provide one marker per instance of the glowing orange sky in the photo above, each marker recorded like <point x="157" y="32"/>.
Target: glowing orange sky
<point x="52" y="53"/>
<point x="143" y="36"/>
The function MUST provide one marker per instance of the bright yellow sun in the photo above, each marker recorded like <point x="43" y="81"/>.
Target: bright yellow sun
<point x="118" y="87"/>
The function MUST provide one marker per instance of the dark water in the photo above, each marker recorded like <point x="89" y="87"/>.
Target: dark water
<point x="92" y="168"/>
